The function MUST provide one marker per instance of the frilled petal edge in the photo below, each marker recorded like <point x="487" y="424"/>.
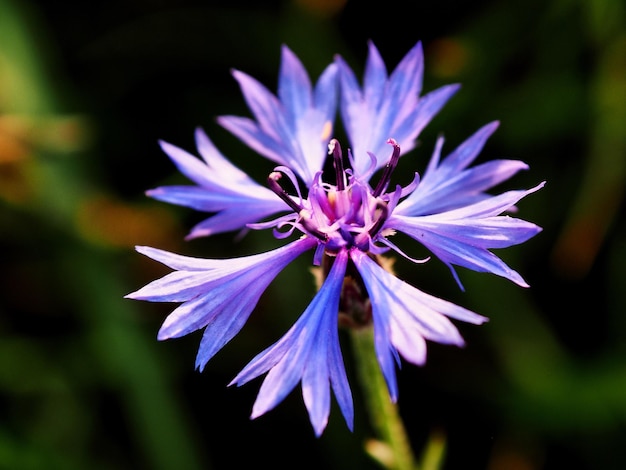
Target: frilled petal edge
<point x="221" y="188"/>
<point x="405" y="317"/>
<point x="218" y="294"/>
<point x="465" y="235"/>
<point x="308" y="353"/>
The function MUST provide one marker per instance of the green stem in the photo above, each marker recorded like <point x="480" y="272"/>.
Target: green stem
<point x="391" y="448"/>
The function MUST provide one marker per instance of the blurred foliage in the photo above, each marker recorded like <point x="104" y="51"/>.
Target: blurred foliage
<point x="87" y="89"/>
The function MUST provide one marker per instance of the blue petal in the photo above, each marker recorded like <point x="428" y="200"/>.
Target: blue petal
<point x="405" y="132"/>
<point x="205" y="200"/>
<point x="449" y="185"/>
<point x="256" y="138"/>
<point x="374" y="78"/>
<point x="325" y="94"/>
<point x="267" y="109"/>
<point x="404" y="317"/>
<point x="387" y="107"/>
<point x="463" y="236"/>
<point x="294" y="86"/>
<point x="232" y="218"/>
<point x="218" y="294"/>
<point x="309" y="352"/>
<point x="465" y="188"/>
<point x="220" y="187"/>
<point x="295" y="128"/>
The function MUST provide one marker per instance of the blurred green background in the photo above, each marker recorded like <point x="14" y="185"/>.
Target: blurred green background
<point x="87" y="89"/>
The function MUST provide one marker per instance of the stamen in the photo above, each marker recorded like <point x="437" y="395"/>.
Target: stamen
<point x="304" y="217"/>
<point x="391" y="165"/>
<point x="272" y="182"/>
<point x="362" y="240"/>
<point x="335" y="149"/>
<point x="381" y="219"/>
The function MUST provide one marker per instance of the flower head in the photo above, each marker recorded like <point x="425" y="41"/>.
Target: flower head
<point x="347" y="219"/>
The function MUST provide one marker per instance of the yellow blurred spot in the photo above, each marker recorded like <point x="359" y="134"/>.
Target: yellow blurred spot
<point x="57" y="133"/>
<point x="381" y="452"/>
<point x="13" y="144"/>
<point x="327" y="130"/>
<point x="23" y="137"/>
<point x="16" y="185"/>
<point x="104" y="221"/>
<point x="447" y="57"/>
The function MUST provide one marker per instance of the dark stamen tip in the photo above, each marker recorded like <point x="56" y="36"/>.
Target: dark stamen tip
<point x="384" y="213"/>
<point x="335" y="149"/>
<point x="395" y="156"/>
<point x="391" y="165"/>
<point x="272" y="182"/>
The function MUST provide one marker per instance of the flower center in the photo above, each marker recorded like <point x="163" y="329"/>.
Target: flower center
<point x="347" y="214"/>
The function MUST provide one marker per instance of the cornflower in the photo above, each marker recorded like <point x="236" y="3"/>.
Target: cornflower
<point x="347" y="221"/>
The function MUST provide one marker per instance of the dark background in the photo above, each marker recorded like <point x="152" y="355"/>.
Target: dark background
<point x="86" y="91"/>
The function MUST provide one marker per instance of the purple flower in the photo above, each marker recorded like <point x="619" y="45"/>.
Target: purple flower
<point x="344" y="219"/>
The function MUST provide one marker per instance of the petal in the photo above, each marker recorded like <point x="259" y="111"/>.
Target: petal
<point x="375" y="76"/>
<point x="294" y="86"/>
<point x="406" y="316"/>
<point x="204" y="200"/>
<point x="407" y="131"/>
<point x="178" y="286"/>
<point x="255" y="138"/>
<point x="489" y="207"/>
<point x="187" y="164"/>
<point x="217" y="294"/>
<point x="471" y="253"/>
<point x="221" y="187"/>
<point x="308" y="352"/>
<point x="326" y="92"/>
<point x="294" y="128"/>
<point x="233" y="218"/>
<point x="465" y="188"/>
<point x="449" y="185"/>
<point x="267" y="109"/>
<point x="466" y="153"/>
<point x="213" y="157"/>
<point x="387" y="107"/>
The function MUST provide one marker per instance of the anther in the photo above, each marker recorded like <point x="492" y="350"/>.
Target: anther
<point x="384" y="213"/>
<point x="361" y="241"/>
<point x="391" y="165"/>
<point x="303" y="214"/>
<point x="272" y="182"/>
<point x="335" y="149"/>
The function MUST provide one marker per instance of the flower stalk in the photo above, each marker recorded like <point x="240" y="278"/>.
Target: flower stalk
<point x="391" y="448"/>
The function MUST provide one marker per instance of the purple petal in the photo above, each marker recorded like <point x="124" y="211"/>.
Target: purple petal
<point x="387" y="107"/>
<point x="404" y="317"/>
<point x="463" y="236"/>
<point x="309" y="352"/>
<point x="464" y="154"/>
<point x="267" y="109"/>
<point x="221" y="188"/>
<point x="295" y="128"/>
<point x="294" y="86"/>
<point x="255" y="138"/>
<point x="374" y="78"/>
<point x="449" y="185"/>
<point x="407" y="131"/>
<point x="218" y="294"/>
<point x="325" y="94"/>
